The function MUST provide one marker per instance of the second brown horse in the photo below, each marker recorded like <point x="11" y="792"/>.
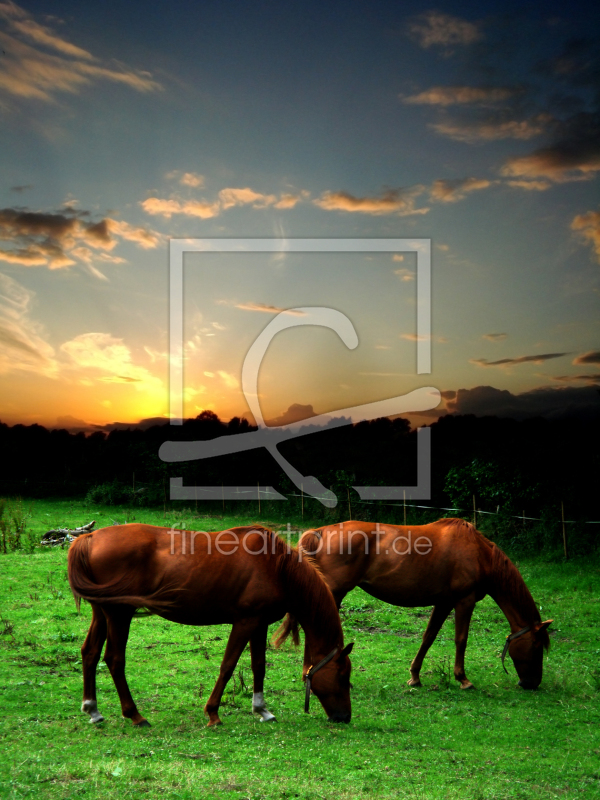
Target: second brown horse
<point x="447" y="564"/>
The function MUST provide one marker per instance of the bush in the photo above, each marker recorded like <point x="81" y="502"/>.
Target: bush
<point x="116" y="494"/>
<point x="13" y="526"/>
<point x="492" y="484"/>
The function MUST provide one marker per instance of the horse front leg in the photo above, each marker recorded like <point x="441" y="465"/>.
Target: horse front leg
<point x="119" y="621"/>
<point x="258" y="652"/>
<point x="90" y="655"/>
<point x="462" y="620"/>
<point x="238" y="639"/>
<point x="438" y="616"/>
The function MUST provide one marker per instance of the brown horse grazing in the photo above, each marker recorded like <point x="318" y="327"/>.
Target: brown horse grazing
<point x="245" y="576"/>
<point x="447" y="564"/>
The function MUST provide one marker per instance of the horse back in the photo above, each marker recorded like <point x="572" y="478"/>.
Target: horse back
<point x="186" y="576"/>
<point x="411" y="565"/>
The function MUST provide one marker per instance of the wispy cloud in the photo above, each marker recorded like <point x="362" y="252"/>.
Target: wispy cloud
<point x="404" y="274"/>
<point x="191" y="179"/>
<point x="460" y="95"/>
<point x="593" y="379"/>
<point x="588" y="226"/>
<point x="23" y="346"/>
<point x="109" y="360"/>
<point x="492" y="129"/>
<point x="508" y="362"/>
<point x="400" y="202"/>
<point x="450" y="191"/>
<point x="591" y="357"/>
<point x="531" y="186"/>
<point x="495" y="337"/>
<point x="58" y="239"/>
<point x="415" y="337"/>
<point x="230" y="381"/>
<point x="266" y="309"/>
<point x="434" y="28"/>
<point x="38" y="64"/>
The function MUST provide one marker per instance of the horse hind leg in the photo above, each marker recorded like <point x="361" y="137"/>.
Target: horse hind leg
<point x="90" y="655"/>
<point x="462" y="620"/>
<point x="258" y="647"/>
<point x="119" y="621"/>
<point x="436" y="620"/>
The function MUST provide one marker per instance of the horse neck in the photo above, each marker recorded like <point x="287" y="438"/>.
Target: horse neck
<point x="510" y="592"/>
<point x="311" y="602"/>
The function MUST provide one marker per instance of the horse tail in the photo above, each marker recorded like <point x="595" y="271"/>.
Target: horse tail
<point x="118" y="591"/>
<point x="310" y="543"/>
<point x="287" y="627"/>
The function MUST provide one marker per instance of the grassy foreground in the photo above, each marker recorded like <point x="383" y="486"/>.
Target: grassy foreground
<point x="435" y="742"/>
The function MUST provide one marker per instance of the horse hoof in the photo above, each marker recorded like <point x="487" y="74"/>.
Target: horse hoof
<point x="467" y="685"/>
<point x="268" y="719"/>
<point x="96" y="720"/>
<point x="213" y="723"/>
<point x="143" y="723"/>
<point x="414" y="683"/>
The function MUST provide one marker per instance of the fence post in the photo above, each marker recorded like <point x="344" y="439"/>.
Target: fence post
<point x="474" y="512"/>
<point x="562" y="516"/>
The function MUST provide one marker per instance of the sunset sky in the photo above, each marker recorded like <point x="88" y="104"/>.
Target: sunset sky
<point x="476" y="125"/>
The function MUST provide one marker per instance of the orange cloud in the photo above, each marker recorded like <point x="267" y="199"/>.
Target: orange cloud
<point x="507" y="362"/>
<point x="111" y="358"/>
<point x="295" y="413"/>
<point x="459" y="95"/>
<point x="436" y="28"/>
<point x="227" y="198"/>
<point x="588" y="226"/>
<point x="450" y="191"/>
<point x="575" y="155"/>
<point x="391" y="201"/>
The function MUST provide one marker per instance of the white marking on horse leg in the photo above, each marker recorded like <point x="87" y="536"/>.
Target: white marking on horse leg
<point x="259" y="707"/>
<point x="91" y="707"/>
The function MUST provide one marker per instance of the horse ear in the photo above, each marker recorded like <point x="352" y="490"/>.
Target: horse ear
<point x="347" y="650"/>
<point x="541" y="626"/>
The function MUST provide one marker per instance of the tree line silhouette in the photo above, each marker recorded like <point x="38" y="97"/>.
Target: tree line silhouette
<point x="541" y="461"/>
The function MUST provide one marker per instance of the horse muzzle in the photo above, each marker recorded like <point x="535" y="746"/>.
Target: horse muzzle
<point x="524" y="684"/>
<point x="340" y="717"/>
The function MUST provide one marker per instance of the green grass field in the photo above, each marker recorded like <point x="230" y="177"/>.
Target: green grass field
<point x="436" y="742"/>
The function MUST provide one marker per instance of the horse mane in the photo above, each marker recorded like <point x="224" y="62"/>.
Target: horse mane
<point x="312" y="600"/>
<point x="502" y="574"/>
<point x="507" y="579"/>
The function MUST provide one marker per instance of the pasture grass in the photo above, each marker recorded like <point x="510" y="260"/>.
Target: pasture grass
<point x="437" y="743"/>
